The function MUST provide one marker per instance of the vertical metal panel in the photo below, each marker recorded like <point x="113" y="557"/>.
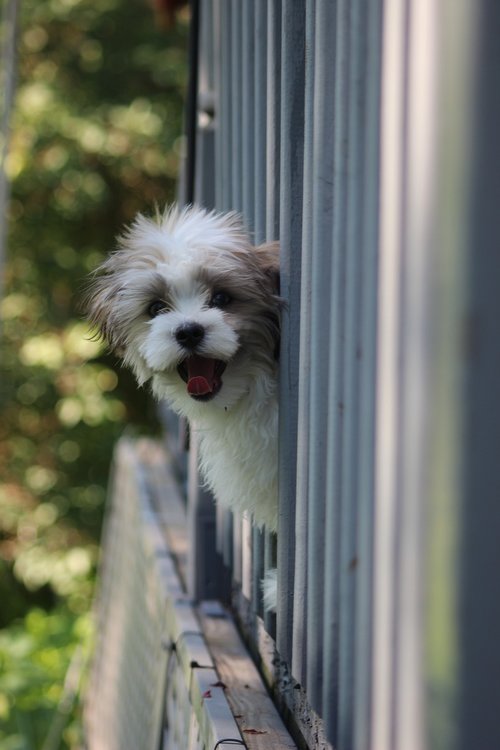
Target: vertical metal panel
<point x="336" y="407"/>
<point x="224" y="112"/>
<point x="226" y="128"/>
<point x="357" y="395"/>
<point x="204" y="177"/>
<point x="267" y="81"/>
<point x="369" y="125"/>
<point x="224" y="534"/>
<point x="348" y="364"/>
<point x="404" y="393"/>
<point x="479" y="676"/>
<point x="415" y="371"/>
<point x="248" y="114"/>
<point x="394" y="70"/>
<point x="246" y="552"/>
<point x="205" y="575"/>
<point x="247" y="563"/>
<point x="236" y="104"/>
<point x="273" y="118"/>
<point x="259" y="122"/>
<point x="401" y="352"/>
<point x="353" y="299"/>
<point x="207" y="70"/>
<point x="205" y="578"/>
<point x="300" y="620"/>
<point x="323" y="114"/>
<point x="463" y="528"/>
<point x="291" y="170"/>
<point x="237" y="548"/>
<point x="191" y="111"/>
<point x="270" y="545"/>
<point x="258" y="569"/>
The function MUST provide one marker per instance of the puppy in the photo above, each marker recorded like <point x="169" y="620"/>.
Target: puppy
<point x="194" y="309"/>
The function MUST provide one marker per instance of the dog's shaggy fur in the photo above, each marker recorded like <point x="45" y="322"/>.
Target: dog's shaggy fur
<point x="193" y="308"/>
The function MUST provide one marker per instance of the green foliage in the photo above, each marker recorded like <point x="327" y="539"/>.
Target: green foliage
<point x="95" y="138"/>
<point x="37" y="691"/>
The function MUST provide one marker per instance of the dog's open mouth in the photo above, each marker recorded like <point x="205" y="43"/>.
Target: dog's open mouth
<point x="202" y="375"/>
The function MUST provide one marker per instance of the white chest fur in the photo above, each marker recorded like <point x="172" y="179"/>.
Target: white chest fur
<point x="238" y="454"/>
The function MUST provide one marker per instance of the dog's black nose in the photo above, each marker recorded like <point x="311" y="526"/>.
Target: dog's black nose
<point x="190" y="335"/>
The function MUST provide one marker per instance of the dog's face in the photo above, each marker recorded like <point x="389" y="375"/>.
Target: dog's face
<point x="190" y="306"/>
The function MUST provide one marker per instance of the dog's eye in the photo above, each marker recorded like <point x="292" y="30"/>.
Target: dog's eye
<point x="220" y="299"/>
<point x="156" y="307"/>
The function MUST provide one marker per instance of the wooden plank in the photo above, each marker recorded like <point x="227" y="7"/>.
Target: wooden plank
<point x="258" y="720"/>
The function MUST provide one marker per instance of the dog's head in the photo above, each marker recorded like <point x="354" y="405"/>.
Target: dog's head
<point x="190" y="305"/>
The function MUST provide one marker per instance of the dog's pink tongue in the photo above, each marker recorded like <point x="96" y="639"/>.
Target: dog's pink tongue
<point x="201" y="375"/>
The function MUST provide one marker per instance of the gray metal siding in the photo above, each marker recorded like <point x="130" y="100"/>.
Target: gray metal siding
<point x="290" y="128"/>
<point x="364" y="136"/>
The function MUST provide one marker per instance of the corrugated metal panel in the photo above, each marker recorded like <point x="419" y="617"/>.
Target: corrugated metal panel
<point x="332" y="133"/>
<point x="322" y="81"/>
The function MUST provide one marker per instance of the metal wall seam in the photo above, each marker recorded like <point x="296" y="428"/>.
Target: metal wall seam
<point x="291" y="178"/>
<point x="300" y="619"/>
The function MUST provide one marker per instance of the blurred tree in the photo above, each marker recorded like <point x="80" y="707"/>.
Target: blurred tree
<point x="95" y="138"/>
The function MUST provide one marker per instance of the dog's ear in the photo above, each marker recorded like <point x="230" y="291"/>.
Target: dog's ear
<point x="97" y="306"/>
<point x="268" y="256"/>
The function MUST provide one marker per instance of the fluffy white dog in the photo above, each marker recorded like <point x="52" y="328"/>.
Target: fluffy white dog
<point x="194" y="309"/>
